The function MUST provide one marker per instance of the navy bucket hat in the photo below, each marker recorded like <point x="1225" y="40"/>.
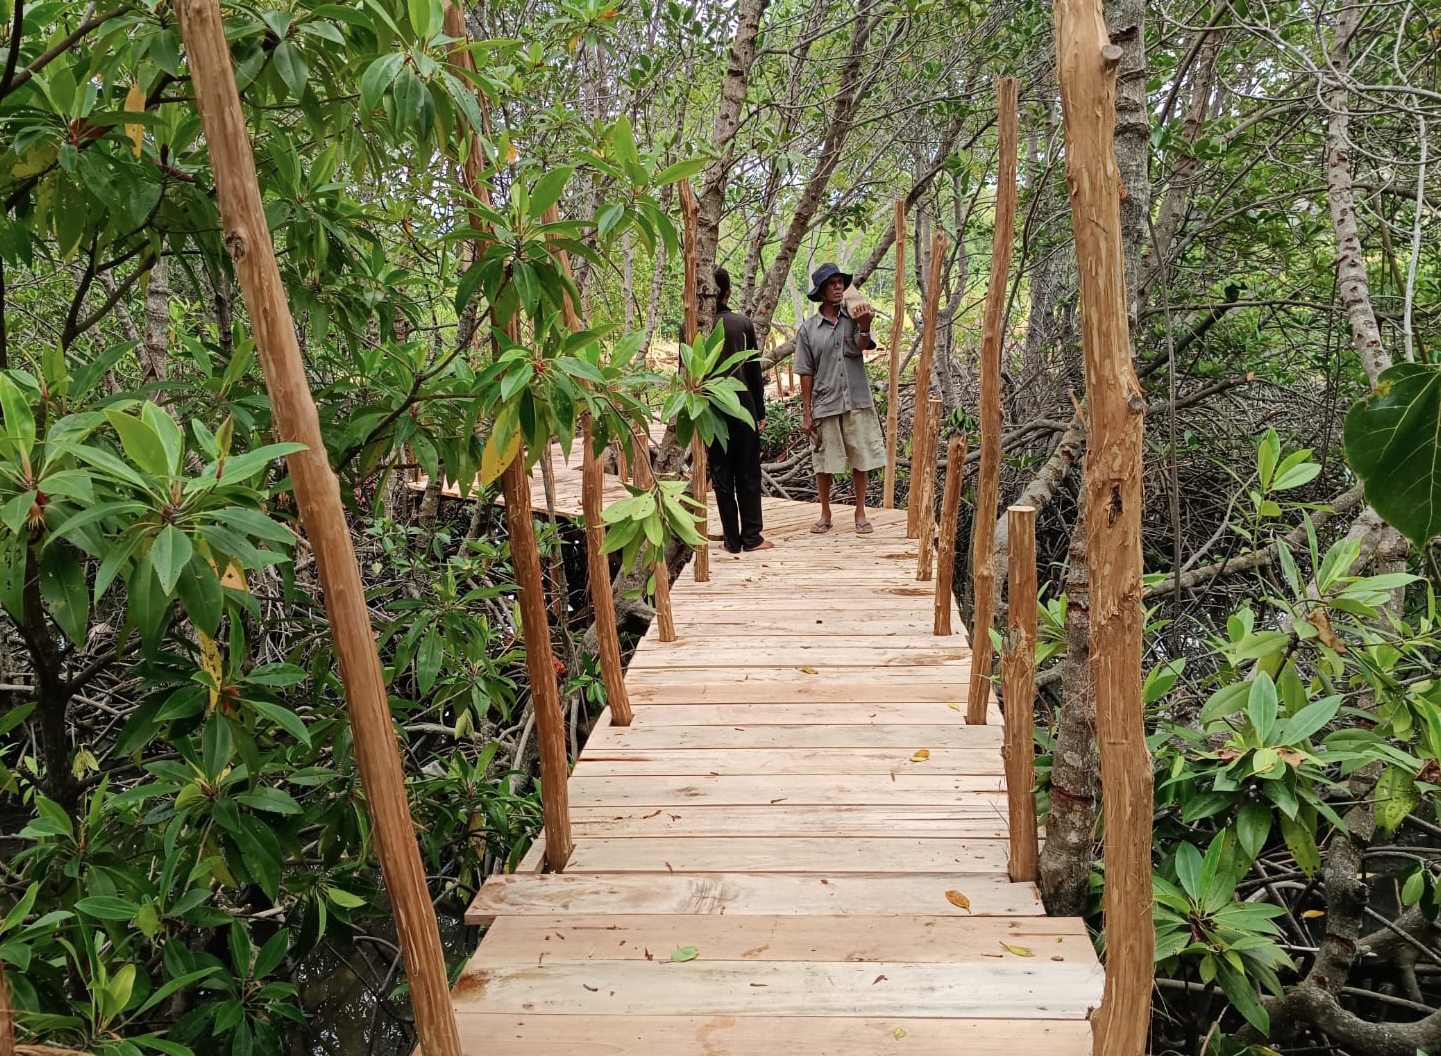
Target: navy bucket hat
<point x="823" y="275"/>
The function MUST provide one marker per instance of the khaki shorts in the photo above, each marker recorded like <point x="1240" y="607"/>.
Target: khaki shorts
<point x="850" y="441"/>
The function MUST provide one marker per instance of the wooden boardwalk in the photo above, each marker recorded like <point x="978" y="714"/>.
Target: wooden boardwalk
<point x="797" y="847"/>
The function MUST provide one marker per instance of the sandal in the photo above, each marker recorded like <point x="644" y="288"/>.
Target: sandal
<point x="820" y="527"/>
<point x="864" y="528"/>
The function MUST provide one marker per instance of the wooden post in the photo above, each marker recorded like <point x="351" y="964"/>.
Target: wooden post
<point x="983" y="537"/>
<point x="950" y="523"/>
<point x="1086" y="68"/>
<point x="1018" y="687"/>
<point x="7" y="1018"/>
<point x="926" y="513"/>
<point x="644" y="479"/>
<point x="929" y="314"/>
<point x="898" y="322"/>
<point x="592" y="487"/>
<point x="690" y="210"/>
<point x="317" y="494"/>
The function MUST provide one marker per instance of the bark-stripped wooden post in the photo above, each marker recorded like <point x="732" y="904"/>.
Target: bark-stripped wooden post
<point x="515" y="486"/>
<point x="929" y="315"/>
<point x="950" y="525"/>
<point x="645" y="479"/>
<point x="7" y="1018"/>
<point x="898" y="322"/>
<point x="983" y="538"/>
<point x="317" y="494"/>
<point x="1018" y="691"/>
<point x="592" y="498"/>
<point x="690" y="210"/>
<point x="592" y="490"/>
<point x="1086" y="68"/>
<point x="929" y="460"/>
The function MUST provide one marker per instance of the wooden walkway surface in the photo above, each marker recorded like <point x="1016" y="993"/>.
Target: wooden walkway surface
<point x="798" y="846"/>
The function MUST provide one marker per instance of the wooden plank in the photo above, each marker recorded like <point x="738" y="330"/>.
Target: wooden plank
<point x="752" y="894"/>
<point x="913" y="940"/>
<point x="880" y="656"/>
<point x="598" y="762"/>
<point x="771" y="854"/>
<point x="828" y="678"/>
<point x="528" y="1034"/>
<point x="1006" y="989"/>
<point x="982" y="820"/>
<point x="672" y="706"/>
<point x="922" y="790"/>
<point x="797" y="736"/>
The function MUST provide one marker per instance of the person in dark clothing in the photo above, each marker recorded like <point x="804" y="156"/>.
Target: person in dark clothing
<point x="735" y="469"/>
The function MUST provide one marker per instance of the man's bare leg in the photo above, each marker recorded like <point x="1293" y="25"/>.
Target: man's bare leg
<point x="859" y="479"/>
<point x="823" y="494"/>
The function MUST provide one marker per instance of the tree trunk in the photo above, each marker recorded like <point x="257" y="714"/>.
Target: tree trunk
<point x="155" y="348"/>
<point x="1065" y="870"/>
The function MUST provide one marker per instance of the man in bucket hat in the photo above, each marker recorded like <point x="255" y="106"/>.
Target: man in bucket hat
<point x="839" y="413"/>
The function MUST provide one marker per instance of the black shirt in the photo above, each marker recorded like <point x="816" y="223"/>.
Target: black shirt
<point x="740" y="335"/>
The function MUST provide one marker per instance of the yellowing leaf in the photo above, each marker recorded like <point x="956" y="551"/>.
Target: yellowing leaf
<point x="685" y="953"/>
<point x="810" y="670"/>
<point x="1019" y="951"/>
<point x="957" y="899"/>
<point x="135" y="104"/>
<point x="954" y="706"/>
<point x="1313" y="914"/>
<point x="210" y="661"/>
<point x="493" y="460"/>
<point x="898" y="1033"/>
<point x="921" y="755"/>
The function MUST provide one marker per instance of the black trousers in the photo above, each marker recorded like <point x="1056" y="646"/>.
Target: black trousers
<point x="735" y="473"/>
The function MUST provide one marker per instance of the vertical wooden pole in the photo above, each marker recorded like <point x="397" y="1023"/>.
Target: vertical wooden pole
<point x="665" y="621"/>
<point x="898" y="322"/>
<point x="1018" y="687"/>
<point x="592" y="486"/>
<point x="950" y="524"/>
<point x="690" y="210"/>
<point x="1086" y="68"/>
<point x="926" y="512"/>
<point x="539" y="664"/>
<point x="317" y="494"/>
<point x="983" y="538"/>
<point x="929" y="314"/>
<point x="7" y="1018"/>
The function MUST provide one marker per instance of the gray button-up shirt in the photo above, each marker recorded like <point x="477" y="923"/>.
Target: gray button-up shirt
<point x="830" y="353"/>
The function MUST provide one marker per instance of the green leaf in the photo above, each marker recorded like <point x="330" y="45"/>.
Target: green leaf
<point x="169" y="555"/>
<point x="548" y="189"/>
<point x="1188" y="870"/>
<point x="684" y="953"/>
<point x="377" y="78"/>
<point x="19" y="423"/>
<point x="272" y="800"/>
<point x="291" y="65"/>
<point x="1301" y="840"/>
<point x="1253" y="826"/>
<point x="283" y="717"/>
<point x="141" y="444"/>
<point x="1393" y="442"/>
<point x="1261" y="705"/>
<point x="62" y="585"/>
<point x="107" y="907"/>
<point x="1396" y="797"/>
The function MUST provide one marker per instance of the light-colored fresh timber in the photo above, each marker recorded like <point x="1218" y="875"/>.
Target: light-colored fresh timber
<point x="799" y="809"/>
<point x="533" y="1035"/>
<point x="991" y="415"/>
<point x="893" y="389"/>
<point x="749" y="894"/>
<point x="1086" y="69"/>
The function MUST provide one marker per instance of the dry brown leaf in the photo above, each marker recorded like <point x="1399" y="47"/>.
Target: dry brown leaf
<point x="810" y="670"/>
<point x="921" y="755"/>
<point x="877" y="979"/>
<point x="958" y="900"/>
<point x="1317" y="618"/>
<point x="1019" y="951"/>
<point x="648" y="955"/>
<point x="756" y="951"/>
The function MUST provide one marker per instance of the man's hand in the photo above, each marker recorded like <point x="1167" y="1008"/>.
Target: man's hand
<point x="761" y="426"/>
<point x="863" y="315"/>
<point x="808" y="424"/>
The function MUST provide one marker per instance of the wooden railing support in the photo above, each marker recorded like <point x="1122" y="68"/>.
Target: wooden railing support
<point x="602" y="600"/>
<point x="950" y="524"/>
<point x="930" y="313"/>
<point x="1018" y="692"/>
<point x="317" y="494"/>
<point x="983" y="537"/>
<point x="664" y="619"/>
<point x="898" y="322"/>
<point x="1086" y="72"/>
<point x="690" y="210"/>
<point x="926" y="513"/>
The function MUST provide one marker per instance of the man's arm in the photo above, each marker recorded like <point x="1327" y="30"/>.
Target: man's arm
<point x="808" y="421"/>
<point x="864" y="316"/>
